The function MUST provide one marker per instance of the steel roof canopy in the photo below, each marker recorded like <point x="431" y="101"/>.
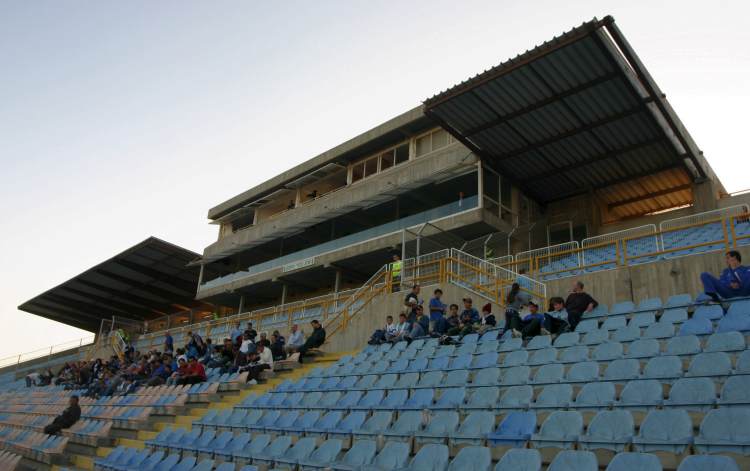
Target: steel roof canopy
<point x="576" y="114"/>
<point x="148" y="280"/>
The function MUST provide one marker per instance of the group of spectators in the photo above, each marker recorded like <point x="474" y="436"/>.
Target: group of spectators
<point x="522" y="316"/>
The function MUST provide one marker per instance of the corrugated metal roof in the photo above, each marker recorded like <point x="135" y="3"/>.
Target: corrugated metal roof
<point x="571" y="116"/>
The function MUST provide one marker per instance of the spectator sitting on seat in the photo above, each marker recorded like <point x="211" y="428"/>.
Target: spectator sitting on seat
<point x="281" y="338"/>
<point x="316" y="339"/>
<point x="248" y="342"/>
<point x="470" y="311"/>
<point x="194" y="373"/>
<point x="180" y="372"/>
<point x="264" y="340"/>
<point x="159" y="374"/>
<point x="168" y="343"/>
<point x="411" y="302"/>
<point x="217" y="359"/>
<point x="390" y="328"/>
<point x="259" y="360"/>
<point x="734" y="280"/>
<point x="32" y="379"/>
<point x="487" y="321"/>
<point x="453" y="321"/>
<point x="437" y="308"/>
<point x="277" y="347"/>
<point x="236" y="335"/>
<point x="253" y="333"/>
<point x="514" y="302"/>
<point x="296" y="339"/>
<point x="416" y="330"/>
<point x="556" y="320"/>
<point x="530" y="325"/>
<point x="423" y="320"/>
<point x="65" y="420"/>
<point x="401" y="329"/>
<point x="578" y="303"/>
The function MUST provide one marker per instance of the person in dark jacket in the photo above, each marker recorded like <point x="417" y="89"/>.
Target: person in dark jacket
<point x="315" y="340"/>
<point x="487" y="321"/>
<point x="577" y="303"/>
<point x="65" y="420"/>
<point x="734" y="280"/>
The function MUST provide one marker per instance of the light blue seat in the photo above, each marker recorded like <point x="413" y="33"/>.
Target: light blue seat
<point x="219" y="442"/>
<point x="631" y="461"/>
<point x="554" y="396"/>
<point x="208" y="465"/>
<point x="560" y="430"/>
<point x="394" y="455"/>
<point x="456" y="378"/>
<point x="361" y="453"/>
<point x="386" y="381"/>
<point x="256" y="446"/>
<point x="550" y="373"/>
<point x="377" y="423"/>
<point x="625" y="369"/>
<point x="510" y="345"/>
<point x="472" y="458"/>
<point x="609" y="430"/>
<point x="696" y="326"/>
<point x="237" y="443"/>
<point x="725" y="430"/>
<point x="470" y="338"/>
<point x="741" y="307"/>
<point x="596" y="396"/>
<point x="419" y="399"/>
<point x="445" y="351"/>
<point x="678" y="300"/>
<point x="614" y="323"/>
<point x="467" y="348"/>
<point x="743" y="362"/>
<point x="572" y="460"/>
<point x="474" y="428"/>
<point x="520" y="459"/>
<point x="485" y="360"/>
<point x="626" y="334"/>
<point x="440" y="363"/>
<point x="418" y="365"/>
<point x="430" y="457"/>
<point x="322" y="456"/>
<point x="649" y="305"/>
<point x="584" y="371"/>
<point x="487" y="377"/>
<point x="736" y="391"/>
<point x="710" y="364"/>
<point x="515" y="429"/>
<point x="514" y="397"/>
<point x="642" y="395"/>
<point x="587" y="325"/>
<point x="623" y="307"/>
<point x="516" y="375"/>
<point x="567" y="339"/>
<point x="608" y="351"/>
<point x="643" y="348"/>
<point x="407" y="423"/>
<point x="367" y="381"/>
<point x="683" y="345"/>
<point x="669" y="430"/>
<point x="440" y="425"/>
<point x="275" y="450"/>
<point x="725" y="342"/>
<point x="643" y="319"/>
<point x="665" y="367"/>
<point x="431" y="379"/>
<point x="543" y="356"/>
<point x="711" y="312"/>
<point x="450" y="398"/>
<point x="301" y="450"/>
<point x="540" y="341"/>
<point x="695" y="394"/>
<point x="519" y="357"/>
<point x="596" y="337"/>
<point x="674" y="316"/>
<point x="659" y="330"/>
<point x="462" y="362"/>
<point x="708" y="462"/>
<point x="488" y="346"/>
<point x="574" y="354"/>
<point x="407" y="380"/>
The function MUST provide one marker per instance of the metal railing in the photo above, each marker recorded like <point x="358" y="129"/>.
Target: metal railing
<point x="47" y="352"/>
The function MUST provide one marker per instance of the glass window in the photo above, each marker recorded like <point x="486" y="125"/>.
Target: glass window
<point x="358" y="172"/>
<point x="402" y="154"/>
<point x="371" y="166"/>
<point x="387" y="160"/>
<point x="424" y="144"/>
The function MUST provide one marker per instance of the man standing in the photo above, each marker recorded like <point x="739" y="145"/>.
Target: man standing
<point x="437" y="308"/>
<point x="396" y="271"/>
<point x="734" y="280"/>
<point x="578" y="303"/>
<point x="316" y="339"/>
<point x="65" y="420"/>
<point x="168" y="343"/>
<point x="236" y="334"/>
<point x="296" y="339"/>
<point x="411" y="302"/>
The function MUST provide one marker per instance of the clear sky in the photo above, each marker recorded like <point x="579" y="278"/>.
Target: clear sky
<point x="120" y="120"/>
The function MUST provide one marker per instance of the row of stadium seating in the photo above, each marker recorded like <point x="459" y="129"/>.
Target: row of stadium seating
<point x="364" y="455"/>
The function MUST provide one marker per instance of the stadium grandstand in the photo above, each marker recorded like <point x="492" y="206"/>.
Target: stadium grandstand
<point x="564" y="166"/>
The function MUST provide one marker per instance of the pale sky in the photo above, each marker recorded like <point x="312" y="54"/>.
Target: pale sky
<point x="121" y="120"/>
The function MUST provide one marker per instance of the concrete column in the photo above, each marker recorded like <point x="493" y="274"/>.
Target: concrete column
<point x="283" y="293"/>
<point x="242" y="304"/>
<point x="705" y="196"/>
<point x="200" y="275"/>
<point x="337" y="281"/>
<point x="480" y="183"/>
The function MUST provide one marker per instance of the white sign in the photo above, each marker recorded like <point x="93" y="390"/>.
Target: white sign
<point x="307" y="262"/>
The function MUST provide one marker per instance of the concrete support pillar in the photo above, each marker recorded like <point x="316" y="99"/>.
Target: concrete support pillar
<point x="705" y="196"/>
<point x="283" y="293"/>
<point x="480" y="184"/>
<point x="337" y="281"/>
<point x="242" y="304"/>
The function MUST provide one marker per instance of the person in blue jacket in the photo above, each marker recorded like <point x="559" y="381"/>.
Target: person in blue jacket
<point x="734" y="280"/>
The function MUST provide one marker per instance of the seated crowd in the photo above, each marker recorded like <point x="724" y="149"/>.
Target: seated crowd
<point x="522" y="316"/>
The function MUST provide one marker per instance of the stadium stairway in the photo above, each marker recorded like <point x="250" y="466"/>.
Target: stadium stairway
<point x="82" y="458"/>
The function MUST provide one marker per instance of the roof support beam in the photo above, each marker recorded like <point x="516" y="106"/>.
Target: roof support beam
<point x="157" y="307"/>
<point x="539" y="104"/>
<point x="84" y="306"/>
<point x="167" y="296"/>
<point x="122" y="306"/>
<point x="654" y="194"/>
<point x="158" y="276"/>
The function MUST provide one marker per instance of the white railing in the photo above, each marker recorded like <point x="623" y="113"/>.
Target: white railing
<point x="549" y="259"/>
<point x="505" y="261"/>
<point x="606" y="249"/>
<point x="46" y="352"/>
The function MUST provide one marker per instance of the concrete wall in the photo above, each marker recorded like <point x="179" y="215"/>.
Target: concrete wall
<point x="660" y="279"/>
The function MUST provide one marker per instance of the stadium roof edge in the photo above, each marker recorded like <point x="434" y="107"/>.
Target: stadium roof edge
<point x="342" y="151"/>
<point x="145" y="281"/>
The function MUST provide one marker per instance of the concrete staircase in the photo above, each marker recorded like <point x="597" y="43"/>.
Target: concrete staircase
<point x="82" y="458"/>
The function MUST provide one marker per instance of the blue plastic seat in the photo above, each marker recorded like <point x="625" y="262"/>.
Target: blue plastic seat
<point x="622" y="370"/>
<point x="669" y="430"/>
<point x="711" y="312"/>
<point x="473" y="458"/>
<point x="487" y="377"/>
<point x="520" y="459"/>
<point x="419" y="399"/>
<point x="609" y="430"/>
<point x="674" y="316"/>
<point x="710" y="364"/>
<point x="574" y="354"/>
<point x="560" y="430"/>
<point x="641" y="395"/>
<point x="515" y="429"/>
<point x="632" y="461"/>
<point x="513" y="397"/>
<point x="696" y="326"/>
<point x="596" y="395"/>
<point x="572" y="460"/>
<point x="516" y="375"/>
<point x="450" y="398"/>
<point x="643" y="348"/>
<point x="663" y="367"/>
<point x="708" y="462"/>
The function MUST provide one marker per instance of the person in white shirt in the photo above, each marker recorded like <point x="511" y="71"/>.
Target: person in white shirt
<point x="248" y="344"/>
<point x="296" y="339"/>
<point x="402" y="329"/>
<point x="259" y="360"/>
<point x="390" y="328"/>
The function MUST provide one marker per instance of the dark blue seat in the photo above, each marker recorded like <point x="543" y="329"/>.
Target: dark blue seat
<point x="515" y="429"/>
